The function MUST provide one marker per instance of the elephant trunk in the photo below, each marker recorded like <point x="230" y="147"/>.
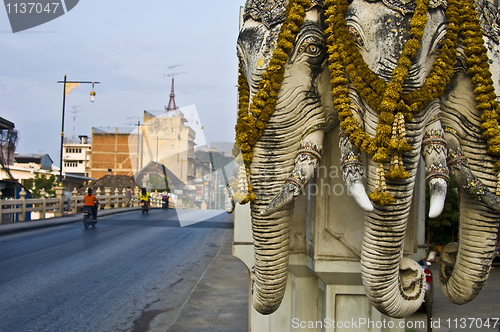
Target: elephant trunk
<point x="271" y="233"/>
<point x="274" y="159"/>
<point x="464" y="267"/>
<point x="269" y="276"/>
<point x="394" y="285"/>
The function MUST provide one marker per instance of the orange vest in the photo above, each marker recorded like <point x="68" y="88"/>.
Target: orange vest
<point x="89" y="200"/>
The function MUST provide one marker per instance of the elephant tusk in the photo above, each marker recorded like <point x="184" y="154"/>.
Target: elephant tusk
<point x="352" y="172"/>
<point x="358" y="191"/>
<point x="284" y="197"/>
<point x="228" y="201"/>
<point x="438" y="188"/>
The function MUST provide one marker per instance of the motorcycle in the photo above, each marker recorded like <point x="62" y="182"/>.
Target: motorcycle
<point x="88" y="219"/>
<point x="144" y="207"/>
<point x="164" y="204"/>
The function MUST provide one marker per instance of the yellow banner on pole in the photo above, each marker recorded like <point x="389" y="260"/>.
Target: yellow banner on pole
<point x="70" y="87"/>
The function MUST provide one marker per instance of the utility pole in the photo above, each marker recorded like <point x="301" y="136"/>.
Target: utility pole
<point x="139" y="146"/>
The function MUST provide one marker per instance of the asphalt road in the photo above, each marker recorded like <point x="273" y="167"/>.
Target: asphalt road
<point x="132" y="272"/>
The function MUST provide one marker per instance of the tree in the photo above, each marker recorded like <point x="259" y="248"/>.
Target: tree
<point x="158" y="182"/>
<point x="42" y="181"/>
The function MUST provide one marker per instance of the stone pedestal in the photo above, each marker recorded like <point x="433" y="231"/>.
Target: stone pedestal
<point x="324" y="288"/>
<point x="60" y="195"/>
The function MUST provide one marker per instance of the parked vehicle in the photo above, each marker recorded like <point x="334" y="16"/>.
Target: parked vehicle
<point x="429" y="288"/>
<point x="144" y="207"/>
<point x="88" y="220"/>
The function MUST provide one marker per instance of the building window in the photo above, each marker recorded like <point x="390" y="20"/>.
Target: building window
<point x="79" y="150"/>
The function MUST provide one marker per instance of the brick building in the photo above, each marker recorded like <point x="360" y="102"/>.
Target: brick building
<point x="110" y="152"/>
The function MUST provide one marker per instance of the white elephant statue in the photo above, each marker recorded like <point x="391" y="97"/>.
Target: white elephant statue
<point x="403" y="80"/>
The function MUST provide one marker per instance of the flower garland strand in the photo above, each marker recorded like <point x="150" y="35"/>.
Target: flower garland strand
<point x="253" y="118"/>
<point x="479" y="70"/>
<point x="477" y="60"/>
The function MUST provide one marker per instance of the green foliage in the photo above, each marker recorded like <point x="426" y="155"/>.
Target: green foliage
<point x="158" y="182"/>
<point x="42" y="181"/>
<point x="444" y="228"/>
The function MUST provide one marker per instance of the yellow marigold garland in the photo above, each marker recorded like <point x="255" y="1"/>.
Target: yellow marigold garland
<point x="253" y="118"/>
<point x="477" y="61"/>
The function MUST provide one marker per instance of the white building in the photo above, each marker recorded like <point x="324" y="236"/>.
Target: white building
<point x="76" y="156"/>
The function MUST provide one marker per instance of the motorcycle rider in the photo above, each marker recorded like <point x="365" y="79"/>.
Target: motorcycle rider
<point x="128" y="196"/>
<point x="165" y="197"/>
<point x="91" y="202"/>
<point x="144" y="196"/>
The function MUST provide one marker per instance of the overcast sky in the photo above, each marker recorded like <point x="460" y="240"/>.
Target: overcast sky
<point x="128" y="46"/>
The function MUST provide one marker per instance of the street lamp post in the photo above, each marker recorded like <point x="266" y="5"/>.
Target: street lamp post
<point x="92" y="98"/>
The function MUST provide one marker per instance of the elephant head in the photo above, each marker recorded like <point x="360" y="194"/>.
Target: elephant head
<point x="288" y="150"/>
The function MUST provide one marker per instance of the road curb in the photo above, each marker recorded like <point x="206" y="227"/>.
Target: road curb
<point x="22" y="226"/>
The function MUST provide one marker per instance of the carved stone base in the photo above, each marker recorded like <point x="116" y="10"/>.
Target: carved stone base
<point x="316" y="298"/>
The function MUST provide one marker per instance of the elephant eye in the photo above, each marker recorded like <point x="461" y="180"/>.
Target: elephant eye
<point x="312" y="49"/>
<point x="311" y="46"/>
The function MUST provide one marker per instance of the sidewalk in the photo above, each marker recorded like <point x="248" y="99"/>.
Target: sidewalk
<point x="219" y="303"/>
<point x="56" y="221"/>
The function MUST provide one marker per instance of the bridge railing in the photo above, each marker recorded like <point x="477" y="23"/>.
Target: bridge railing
<point x="46" y="207"/>
<point x="109" y="200"/>
<point x="156" y="200"/>
<point x="23" y="209"/>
